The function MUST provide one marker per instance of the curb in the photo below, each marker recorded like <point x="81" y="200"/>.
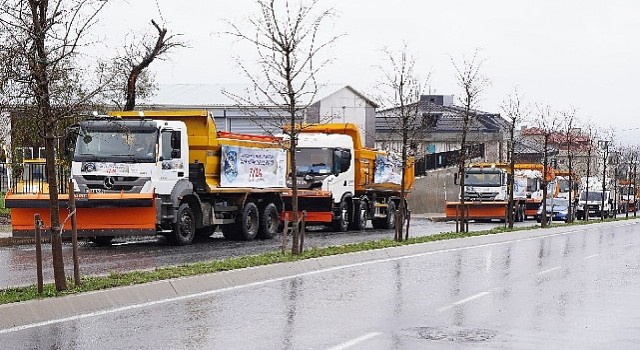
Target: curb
<point x="11" y="241"/>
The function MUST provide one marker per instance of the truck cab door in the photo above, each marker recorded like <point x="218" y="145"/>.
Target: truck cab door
<point x="172" y="159"/>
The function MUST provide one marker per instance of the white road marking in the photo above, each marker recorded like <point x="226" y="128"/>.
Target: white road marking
<point x="590" y="256"/>
<point x="309" y="273"/>
<point x="355" y="341"/>
<point x="465" y="300"/>
<point x="549" y="270"/>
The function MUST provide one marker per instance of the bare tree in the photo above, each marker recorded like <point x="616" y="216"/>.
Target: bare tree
<point x="42" y="39"/>
<point x="590" y="147"/>
<point x="515" y="112"/>
<point x="472" y="82"/>
<point x="285" y="35"/>
<point x="401" y="93"/>
<point x="548" y="124"/>
<point x="132" y="79"/>
<point x="570" y="137"/>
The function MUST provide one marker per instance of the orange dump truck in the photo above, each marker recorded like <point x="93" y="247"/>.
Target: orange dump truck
<point x="166" y="172"/>
<point x="344" y="184"/>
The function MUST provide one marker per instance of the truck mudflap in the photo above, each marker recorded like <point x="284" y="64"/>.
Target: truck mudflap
<point x="478" y="210"/>
<point x="96" y="214"/>
<point x="318" y="206"/>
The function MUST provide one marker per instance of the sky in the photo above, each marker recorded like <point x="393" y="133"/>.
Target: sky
<point x="570" y="54"/>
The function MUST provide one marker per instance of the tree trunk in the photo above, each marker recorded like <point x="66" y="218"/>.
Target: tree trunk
<point x="54" y="212"/>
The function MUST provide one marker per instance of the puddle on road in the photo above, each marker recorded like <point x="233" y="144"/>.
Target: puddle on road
<point x="450" y="334"/>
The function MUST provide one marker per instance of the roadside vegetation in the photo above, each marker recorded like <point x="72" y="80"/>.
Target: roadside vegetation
<point x="93" y="283"/>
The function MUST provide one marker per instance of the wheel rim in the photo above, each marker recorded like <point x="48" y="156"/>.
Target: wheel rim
<point x="343" y="217"/>
<point x="250" y="223"/>
<point x="186" y="225"/>
<point x="363" y="216"/>
<point x="272" y="221"/>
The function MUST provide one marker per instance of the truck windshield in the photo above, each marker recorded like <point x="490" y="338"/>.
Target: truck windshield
<point x="314" y="161"/>
<point x="564" y="185"/>
<point x="482" y="179"/>
<point x="125" y="146"/>
<point x="593" y="196"/>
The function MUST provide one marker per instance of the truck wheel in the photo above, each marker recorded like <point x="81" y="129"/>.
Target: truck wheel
<point x="391" y="215"/>
<point x="341" y="223"/>
<point x="185" y="227"/>
<point x="359" y="221"/>
<point x="389" y="221"/>
<point x="249" y="222"/>
<point x="269" y="221"/>
<point x="518" y="217"/>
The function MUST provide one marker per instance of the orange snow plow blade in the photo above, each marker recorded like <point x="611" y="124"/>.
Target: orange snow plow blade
<point x="478" y="210"/>
<point x="316" y="204"/>
<point x="96" y="214"/>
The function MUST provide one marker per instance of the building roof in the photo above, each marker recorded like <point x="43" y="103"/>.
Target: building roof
<point x="225" y="95"/>
<point x="441" y="118"/>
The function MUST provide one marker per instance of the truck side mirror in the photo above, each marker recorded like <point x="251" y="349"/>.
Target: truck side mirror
<point x="175" y="139"/>
<point x="345" y="160"/>
<point x="70" y="141"/>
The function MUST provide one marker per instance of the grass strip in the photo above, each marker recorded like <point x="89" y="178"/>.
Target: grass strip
<point x="119" y="279"/>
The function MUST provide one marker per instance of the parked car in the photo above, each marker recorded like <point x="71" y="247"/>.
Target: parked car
<point x="557" y="210"/>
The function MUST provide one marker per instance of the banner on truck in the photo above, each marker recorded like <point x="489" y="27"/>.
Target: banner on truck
<point x="388" y="170"/>
<point x="253" y="167"/>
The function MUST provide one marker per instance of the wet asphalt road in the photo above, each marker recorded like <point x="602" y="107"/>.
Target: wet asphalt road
<point x="566" y="288"/>
<point x="20" y="267"/>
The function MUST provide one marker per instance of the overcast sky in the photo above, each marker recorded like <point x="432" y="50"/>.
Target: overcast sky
<point x="566" y="54"/>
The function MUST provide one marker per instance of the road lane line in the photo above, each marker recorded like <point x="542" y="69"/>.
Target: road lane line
<point x="285" y="278"/>
<point x="355" y="341"/>
<point x="549" y="270"/>
<point x="465" y="300"/>
<point x="590" y="256"/>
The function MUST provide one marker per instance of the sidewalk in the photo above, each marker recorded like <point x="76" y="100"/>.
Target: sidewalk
<point x="5" y="231"/>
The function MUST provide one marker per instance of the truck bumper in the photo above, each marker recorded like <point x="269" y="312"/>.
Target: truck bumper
<point x="96" y="214"/>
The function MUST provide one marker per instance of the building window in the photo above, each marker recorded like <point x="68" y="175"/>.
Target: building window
<point x="41" y="152"/>
<point x="23" y="153"/>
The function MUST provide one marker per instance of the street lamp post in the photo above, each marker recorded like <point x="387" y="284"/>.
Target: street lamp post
<point x="605" y="145"/>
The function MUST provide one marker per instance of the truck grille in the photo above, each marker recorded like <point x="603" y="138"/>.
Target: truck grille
<point x="111" y="184"/>
<point x="480" y="196"/>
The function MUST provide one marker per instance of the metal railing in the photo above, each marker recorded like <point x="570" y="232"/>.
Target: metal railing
<point x="31" y="178"/>
<point x="445" y="159"/>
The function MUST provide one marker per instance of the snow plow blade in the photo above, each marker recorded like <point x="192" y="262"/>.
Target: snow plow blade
<point x="478" y="210"/>
<point x="96" y="214"/>
<point x="318" y="206"/>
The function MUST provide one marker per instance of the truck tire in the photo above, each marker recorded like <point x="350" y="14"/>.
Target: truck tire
<point x="249" y="222"/>
<point x="389" y="221"/>
<point x="269" y="221"/>
<point x="359" y="221"/>
<point x="185" y="226"/>
<point x="341" y="222"/>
